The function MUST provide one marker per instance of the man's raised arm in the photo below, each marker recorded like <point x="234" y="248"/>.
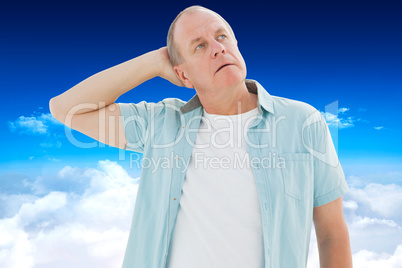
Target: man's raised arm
<point x="86" y="106"/>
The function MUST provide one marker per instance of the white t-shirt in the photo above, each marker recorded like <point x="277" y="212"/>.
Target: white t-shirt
<point x="219" y="219"/>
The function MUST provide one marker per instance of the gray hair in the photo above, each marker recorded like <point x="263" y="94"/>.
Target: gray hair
<point x="173" y="51"/>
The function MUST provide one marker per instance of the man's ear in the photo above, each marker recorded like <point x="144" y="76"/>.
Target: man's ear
<point x="182" y="76"/>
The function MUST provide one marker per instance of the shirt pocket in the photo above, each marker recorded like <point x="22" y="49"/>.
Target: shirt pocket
<point x="298" y="175"/>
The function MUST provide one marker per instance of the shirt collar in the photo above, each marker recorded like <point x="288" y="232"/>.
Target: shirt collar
<point x="264" y="98"/>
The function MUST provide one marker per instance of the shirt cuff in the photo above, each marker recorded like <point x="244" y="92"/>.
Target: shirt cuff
<point x="331" y="196"/>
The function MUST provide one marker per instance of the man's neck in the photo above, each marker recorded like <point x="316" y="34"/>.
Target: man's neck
<point x="237" y="100"/>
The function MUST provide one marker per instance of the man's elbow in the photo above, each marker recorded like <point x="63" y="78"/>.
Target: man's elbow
<point x="335" y="251"/>
<point x="54" y="110"/>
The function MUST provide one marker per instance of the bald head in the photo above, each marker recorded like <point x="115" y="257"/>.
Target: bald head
<point x="173" y="48"/>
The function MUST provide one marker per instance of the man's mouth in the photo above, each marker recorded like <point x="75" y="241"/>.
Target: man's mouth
<point x="223" y="67"/>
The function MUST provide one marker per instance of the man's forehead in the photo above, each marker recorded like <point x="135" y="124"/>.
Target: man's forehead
<point x="192" y="24"/>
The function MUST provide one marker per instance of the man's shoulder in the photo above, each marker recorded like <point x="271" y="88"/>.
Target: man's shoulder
<point x="288" y="106"/>
<point x="174" y="101"/>
<point x="168" y="103"/>
<point x="163" y="109"/>
<point x="299" y="115"/>
<point x="162" y="105"/>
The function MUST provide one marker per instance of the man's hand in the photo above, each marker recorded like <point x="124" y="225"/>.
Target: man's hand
<point x="166" y="68"/>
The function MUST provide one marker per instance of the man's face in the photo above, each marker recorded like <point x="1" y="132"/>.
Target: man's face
<point x="212" y="60"/>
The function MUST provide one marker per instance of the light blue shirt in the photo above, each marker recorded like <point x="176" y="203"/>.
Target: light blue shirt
<point x="292" y="156"/>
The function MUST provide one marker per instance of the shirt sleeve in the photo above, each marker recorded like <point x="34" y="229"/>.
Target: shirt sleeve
<point x="135" y="119"/>
<point x="329" y="179"/>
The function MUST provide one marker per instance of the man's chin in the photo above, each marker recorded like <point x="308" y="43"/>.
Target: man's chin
<point x="231" y="80"/>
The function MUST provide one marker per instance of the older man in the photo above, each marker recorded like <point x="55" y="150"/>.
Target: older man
<point x="238" y="175"/>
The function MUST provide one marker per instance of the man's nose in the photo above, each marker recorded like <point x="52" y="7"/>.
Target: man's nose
<point x="216" y="49"/>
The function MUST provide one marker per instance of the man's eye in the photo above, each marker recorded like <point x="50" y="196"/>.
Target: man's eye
<point x="221" y="36"/>
<point x="199" y="46"/>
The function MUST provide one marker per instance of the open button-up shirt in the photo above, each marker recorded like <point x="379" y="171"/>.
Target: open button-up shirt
<point x="295" y="166"/>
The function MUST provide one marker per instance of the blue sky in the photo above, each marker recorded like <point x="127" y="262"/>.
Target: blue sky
<point x="316" y="52"/>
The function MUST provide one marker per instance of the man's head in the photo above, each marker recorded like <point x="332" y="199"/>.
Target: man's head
<point x="174" y="53"/>
<point x="199" y="43"/>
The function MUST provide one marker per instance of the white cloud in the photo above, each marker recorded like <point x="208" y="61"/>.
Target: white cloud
<point x="56" y="144"/>
<point x="361" y="181"/>
<point x="343" y="110"/>
<point x="53" y="159"/>
<point x="313" y="256"/>
<point x="352" y="205"/>
<point x="80" y="217"/>
<point x="373" y="216"/>
<point x="40" y="208"/>
<point x="340" y="119"/>
<point x="56" y="228"/>
<point x="28" y="125"/>
<point x="379" y="128"/>
<point x="337" y="121"/>
<point x="37" y="124"/>
<point x="366" y="222"/>
<point x="378" y="199"/>
<point x="40" y="124"/>
<point x="370" y="259"/>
